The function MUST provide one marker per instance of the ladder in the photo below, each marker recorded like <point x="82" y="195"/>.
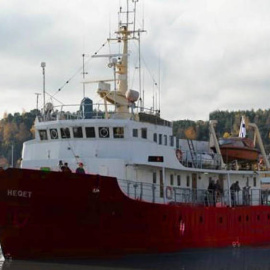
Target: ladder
<point x="192" y="153"/>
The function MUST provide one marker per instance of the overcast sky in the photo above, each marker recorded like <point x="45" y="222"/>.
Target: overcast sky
<point x="206" y="54"/>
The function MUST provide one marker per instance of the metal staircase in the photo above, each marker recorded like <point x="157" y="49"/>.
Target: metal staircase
<point x="192" y="153"/>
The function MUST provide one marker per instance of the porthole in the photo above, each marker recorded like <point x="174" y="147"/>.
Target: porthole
<point x="54" y="133"/>
<point x="104" y="132"/>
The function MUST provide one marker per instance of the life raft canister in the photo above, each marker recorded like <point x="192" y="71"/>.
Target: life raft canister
<point x="179" y="154"/>
<point x="169" y="193"/>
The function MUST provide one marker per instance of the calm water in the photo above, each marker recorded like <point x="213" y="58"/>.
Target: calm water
<point x="217" y="259"/>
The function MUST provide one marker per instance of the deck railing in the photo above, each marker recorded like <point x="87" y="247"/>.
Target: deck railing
<point x="160" y="194"/>
<point x="96" y="111"/>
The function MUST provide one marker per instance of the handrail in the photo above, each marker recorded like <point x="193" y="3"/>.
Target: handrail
<point x="93" y="110"/>
<point x="178" y="195"/>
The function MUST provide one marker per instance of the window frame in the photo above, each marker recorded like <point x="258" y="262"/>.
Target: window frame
<point x="41" y="137"/>
<point x="56" y="137"/>
<point x="144" y="133"/>
<point x="90" y="131"/>
<point x="75" y="134"/>
<point x="65" y="132"/>
<point x="118" y="132"/>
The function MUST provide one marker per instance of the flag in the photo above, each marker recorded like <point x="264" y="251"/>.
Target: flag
<point x="242" y="131"/>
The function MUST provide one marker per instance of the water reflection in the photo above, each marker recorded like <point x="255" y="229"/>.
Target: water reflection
<point x="218" y="259"/>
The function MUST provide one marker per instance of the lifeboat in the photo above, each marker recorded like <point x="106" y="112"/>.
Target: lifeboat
<point x="237" y="148"/>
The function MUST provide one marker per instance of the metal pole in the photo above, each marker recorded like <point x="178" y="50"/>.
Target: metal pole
<point x="43" y="65"/>
<point x="164" y="184"/>
<point x="38" y="94"/>
<point x="229" y="191"/>
<point x="83" y="76"/>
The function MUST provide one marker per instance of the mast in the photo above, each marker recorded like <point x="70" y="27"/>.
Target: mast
<point x="122" y="66"/>
<point x="122" y="97"/>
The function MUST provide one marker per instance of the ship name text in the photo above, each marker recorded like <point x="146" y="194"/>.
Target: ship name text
<point x="19" y="193"/>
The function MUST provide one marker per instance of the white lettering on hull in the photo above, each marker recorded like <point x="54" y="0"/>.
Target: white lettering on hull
<point x="19" y="193"/>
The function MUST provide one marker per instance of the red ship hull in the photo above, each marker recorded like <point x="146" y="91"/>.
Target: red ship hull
<point x="51" y="215"/>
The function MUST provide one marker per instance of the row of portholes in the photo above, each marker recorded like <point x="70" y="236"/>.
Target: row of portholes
<point x="103" y="133"/>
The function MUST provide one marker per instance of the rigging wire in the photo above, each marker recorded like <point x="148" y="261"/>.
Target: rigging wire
<point x="78" y="71"/>
<point x="52" y="97"/>
<point x="156" y="85"/>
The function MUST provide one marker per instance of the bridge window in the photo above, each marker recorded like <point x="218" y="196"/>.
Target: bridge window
<point x="65" y="133"/>
<point x="135" y="132"/>
<point x="90" y="132"/>
<point x="43" y="134"/>
<point x="54" y="133"/>
<point x="144" y="133"/>
<point x="104" y="132"/>
<point x="118" y="132"/>
<point x="165" y="140"/>
<point x="77" y="132"/>
<point x="155" y="137"/>
<point x="171" y="141"/>
<point x="160" y="139"/>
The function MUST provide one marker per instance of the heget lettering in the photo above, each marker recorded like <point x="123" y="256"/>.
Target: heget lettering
<point x="19" y="193"/>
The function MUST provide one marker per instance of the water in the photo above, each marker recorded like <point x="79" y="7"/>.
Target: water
<point x="217" y="259"/>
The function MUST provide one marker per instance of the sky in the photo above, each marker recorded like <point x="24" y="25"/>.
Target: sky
<point x="198" y="56"/>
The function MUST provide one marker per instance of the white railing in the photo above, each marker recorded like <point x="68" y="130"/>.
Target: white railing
<point x="160" y="194"/>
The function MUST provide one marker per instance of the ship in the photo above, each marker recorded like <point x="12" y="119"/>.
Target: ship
<point x="135" y="192"/>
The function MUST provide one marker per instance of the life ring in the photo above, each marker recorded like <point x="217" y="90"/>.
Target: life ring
<point x="179" y="154"/>
<point x="169" y="193"/>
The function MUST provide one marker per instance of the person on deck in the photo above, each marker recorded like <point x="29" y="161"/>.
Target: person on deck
<point x="212" y="192"/>
<point x="246" y="194"/>
<point x="65" y="168"/>
<point x="234" y="190"/>
<point x="80" y="169"/>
